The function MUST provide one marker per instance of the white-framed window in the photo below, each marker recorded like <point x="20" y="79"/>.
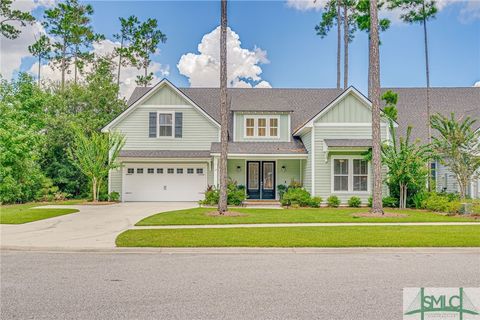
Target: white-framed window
<point x="199" y="170"/>
<point x="130" y="171"/>
<point x="166" y="124"/>
<point x="160" y="170"/>
<point x="340" y="175"/>
<point x="150" y="170"/>
<point x="261" y="126"/>
<point x="190" y="171"/>
<point x="170" y="170"/>
<point x="360" y="175"/>
<point x="140" y="170"/>
<point x="179" y="170"/>
<point x="350" y="174"/>
<point x="250" y="127"/>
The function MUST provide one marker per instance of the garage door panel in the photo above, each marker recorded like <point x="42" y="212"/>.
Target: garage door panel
<point x="167" y="186"/>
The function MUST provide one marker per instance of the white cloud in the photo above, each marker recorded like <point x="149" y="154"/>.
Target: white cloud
<point x="306" y="5"/>
<point x="470" y="12"/>
<point x="477" y="84"/>
<point x="103" y="48"/>
<point x="243" y="68"/>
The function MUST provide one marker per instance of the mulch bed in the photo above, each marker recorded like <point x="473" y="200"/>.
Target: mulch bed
<point x="376" y="215"/>
<point x="226" y="214"/>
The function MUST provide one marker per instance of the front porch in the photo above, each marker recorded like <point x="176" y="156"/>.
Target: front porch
<point x="261" y="176"/>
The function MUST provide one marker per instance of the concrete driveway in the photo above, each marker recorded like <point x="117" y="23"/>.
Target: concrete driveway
<point x="92" y="227"/>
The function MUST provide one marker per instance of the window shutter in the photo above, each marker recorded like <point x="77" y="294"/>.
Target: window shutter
<point x="152" y="125"/>
<point x="178" y="124"/>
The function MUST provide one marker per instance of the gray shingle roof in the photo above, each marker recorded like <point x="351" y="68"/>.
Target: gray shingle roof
<point x="348" y="142"/>
<point x="164" y="154"/>
<point x="412" y="106"/>
<point x="306" y="103"/>
<point x="294" y="147"/>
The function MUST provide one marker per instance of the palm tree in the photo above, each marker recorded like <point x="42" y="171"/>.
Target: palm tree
<point x="222" y="202"/>
<point x="374" y="76"/>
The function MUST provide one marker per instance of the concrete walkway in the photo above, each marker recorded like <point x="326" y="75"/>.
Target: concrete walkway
<point x="283" y="225"/>
<point x="91" y="227"/>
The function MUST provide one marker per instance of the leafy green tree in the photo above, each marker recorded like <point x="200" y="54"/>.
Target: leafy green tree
<point x="419" y="11"/>
<point x="9" y="15"/>
<point x="147" y="37"/>
<point x="69" y="23"/>
<point x="21" y="138"/>
<point x="126" y="36"/>
<point x="406" y="161"/>
<point x="41" y="49"/>
<point x="90" y="153"/>
<point x="457" y="146"/>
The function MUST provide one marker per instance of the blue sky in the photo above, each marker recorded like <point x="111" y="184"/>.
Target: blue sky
<point x="299" y="58"/>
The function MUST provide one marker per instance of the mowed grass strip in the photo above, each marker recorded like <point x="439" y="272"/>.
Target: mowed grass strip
<point x="199" y="216"/>
<point x="368" y="236"/>
<point x="23" y="213"/>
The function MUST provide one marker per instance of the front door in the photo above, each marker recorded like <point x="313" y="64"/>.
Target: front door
<point x="261" y="179"/>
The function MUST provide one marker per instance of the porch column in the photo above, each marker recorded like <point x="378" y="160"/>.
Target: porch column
<point x="215" y="172"/>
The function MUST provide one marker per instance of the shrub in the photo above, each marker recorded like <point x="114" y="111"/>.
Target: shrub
<point x="295" y="184"/>
<point x="390" y="202"/>
<point x="418" y="199"/>
<point x="370" y="201"/>
<point x="441" y="203"/>
<point x="235" y="195"/>
<point x="281" y="190"/>
<point x="333" y="201"/>
<point x="61" y="196"/>
<point x="354" y="202"/>
<point x="296" y="196"/>
<point x="114" y="196"/>
<point x="299" y="197"/>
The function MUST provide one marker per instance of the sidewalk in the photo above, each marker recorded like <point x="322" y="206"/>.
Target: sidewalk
<point x="315" y="224"/>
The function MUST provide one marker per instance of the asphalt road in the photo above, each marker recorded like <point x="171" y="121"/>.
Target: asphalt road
<point x="329" y="286"/>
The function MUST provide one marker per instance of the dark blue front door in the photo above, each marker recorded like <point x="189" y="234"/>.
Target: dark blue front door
<point x="261" y="179"/>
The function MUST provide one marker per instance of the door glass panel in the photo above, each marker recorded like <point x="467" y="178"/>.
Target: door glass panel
<point x="268" y="176"/>
<point x="253" y="172"/>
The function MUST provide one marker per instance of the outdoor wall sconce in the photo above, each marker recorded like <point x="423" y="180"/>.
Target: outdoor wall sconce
<point x="239" y="168"/>
<point x="284" y="169"/>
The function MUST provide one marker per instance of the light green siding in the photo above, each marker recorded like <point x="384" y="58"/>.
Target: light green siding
<point x="307" y="164"/>
<point x="198" y="131"/>
<point x="349" y="109"/>
<point x="235" y="174"/>
<point x="239" y="125"/>
<point x="292" y="171"/>
<point x="115" y="181"/>
<point x="323" y="165"/>
<point x="166" y="96"/>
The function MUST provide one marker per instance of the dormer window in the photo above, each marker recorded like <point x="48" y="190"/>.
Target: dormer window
<point x="261" y="126"/>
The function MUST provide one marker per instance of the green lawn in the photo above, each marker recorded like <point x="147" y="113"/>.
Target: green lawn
<point x="23" y="213"/>
<point x="199" y="216"/>
<point x="367" y="236"/>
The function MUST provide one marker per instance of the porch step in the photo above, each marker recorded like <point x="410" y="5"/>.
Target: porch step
<point x="262" y="204"/>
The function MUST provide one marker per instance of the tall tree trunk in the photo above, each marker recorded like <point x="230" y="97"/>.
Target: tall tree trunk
<point x="427" y="73"/>
<point x="119" y="63"/>
<point x="346" y="38"/>
<point x="222" y="203"/>
<point x="94" y="189"/>
<point x="39" y="68"/>
<point x="369" y="73"/>
<point x="64" y="62"/>
<point x="75" y="68"/>
<point x="374" y="70"/>
<point x="339" y="42"/>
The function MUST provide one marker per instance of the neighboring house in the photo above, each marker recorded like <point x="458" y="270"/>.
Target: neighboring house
<point x="313" y="136"/>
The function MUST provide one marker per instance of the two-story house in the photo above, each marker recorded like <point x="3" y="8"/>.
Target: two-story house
<point x="313" y="136"/>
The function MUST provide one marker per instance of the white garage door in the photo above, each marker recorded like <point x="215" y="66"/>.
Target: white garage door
<point x="164" y="182"/>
